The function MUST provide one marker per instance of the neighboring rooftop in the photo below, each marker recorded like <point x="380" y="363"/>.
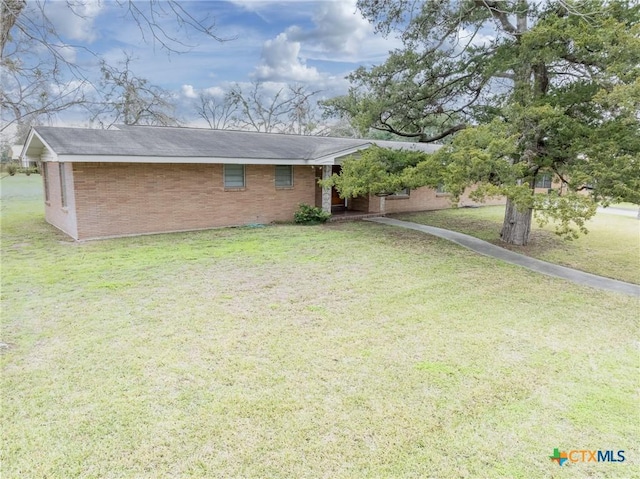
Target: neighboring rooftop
<point x="190" y="143"/>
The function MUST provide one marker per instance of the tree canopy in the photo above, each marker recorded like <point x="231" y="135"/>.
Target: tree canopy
<point x="528" y="88"/>
<point x="39" y="73"/>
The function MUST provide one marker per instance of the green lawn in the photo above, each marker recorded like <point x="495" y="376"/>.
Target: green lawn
<point x="342" y="351"/>
<point x="611" y="248"/>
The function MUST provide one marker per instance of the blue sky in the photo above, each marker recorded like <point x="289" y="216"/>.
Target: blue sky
<point x="316" y="43"/>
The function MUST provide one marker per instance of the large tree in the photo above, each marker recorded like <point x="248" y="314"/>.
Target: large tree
<point x="525" y="88"/>
<point x="218" y="110"/>
<point x="38" y="69"/>
<point x="124" y="97"/>
<point x="279" y="109"/>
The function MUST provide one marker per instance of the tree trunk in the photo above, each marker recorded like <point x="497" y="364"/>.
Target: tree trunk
<point x="516" y="226"/>
<point x="9" y="13"/>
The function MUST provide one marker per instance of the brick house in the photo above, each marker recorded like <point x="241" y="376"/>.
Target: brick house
<point x="134" y="180"/>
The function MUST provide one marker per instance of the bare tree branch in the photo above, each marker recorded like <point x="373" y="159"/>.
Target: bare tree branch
<point x="39" y="74"/>
<point x="219" y="113"/>
<point x="500" y="13"/>
<point x="126" y="98"/>
<point x="289" y="110"/>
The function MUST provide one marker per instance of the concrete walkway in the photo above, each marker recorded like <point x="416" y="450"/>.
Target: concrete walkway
<point x="533" y="264"/>
<point x="618" y="211"/>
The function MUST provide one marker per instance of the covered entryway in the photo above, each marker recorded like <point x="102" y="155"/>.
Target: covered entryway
<point x="338" y="205"/>
<point x="341" y="207"/>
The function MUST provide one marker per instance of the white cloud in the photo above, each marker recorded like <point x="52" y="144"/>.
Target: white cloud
<point x="74" y="19"/>
<point x="339" y="29"/>
<point x="68" y="52"/>
<point x="476" y="39"/>
<point x="189" y="91"/>
<point x="254" y="5"/>
<point x="281" y="62"/>
<point x="338" y="33"/>
<point x="70" y="87"/>
<point x="215" y="91"/>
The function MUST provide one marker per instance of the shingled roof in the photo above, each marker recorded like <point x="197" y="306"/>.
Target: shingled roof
<point x="185" y="145"/>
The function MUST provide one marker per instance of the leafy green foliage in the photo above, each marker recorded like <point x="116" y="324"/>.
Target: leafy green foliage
<point x="376" y="171"/>
<point x="28" y="170"/>
<point x="529" y="89"/>
<point x="12" y="168"/>
<point x="310" y="215"/>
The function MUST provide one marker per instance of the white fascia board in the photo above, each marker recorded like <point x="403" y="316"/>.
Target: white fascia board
<point x="331" y="159"/>
<point x="178" y="159"/>
<point x="27" y="144"/>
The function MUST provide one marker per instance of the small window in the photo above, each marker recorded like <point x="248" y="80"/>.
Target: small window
<point x="441" y="190"/>
<point x="234" y="176"/>
<point x="45" y="180"/>
<point x="543" y="181"/>
<point x="63" y="184"/>
<point x="403" y="193"/>
<point x="284" y="176"/>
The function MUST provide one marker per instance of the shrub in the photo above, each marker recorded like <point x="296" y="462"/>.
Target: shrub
<point x="310" y="215"/>
<point x="12" y="168"/>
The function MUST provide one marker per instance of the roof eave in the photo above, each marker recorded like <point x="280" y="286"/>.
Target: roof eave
<point x="32" y="152"/>
<point x="331" y="158"/>
<point x="179" y="159"/>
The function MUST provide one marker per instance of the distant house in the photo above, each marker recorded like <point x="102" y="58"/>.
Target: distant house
<point x="15" y="156"/>
<point x="141" y="180"/>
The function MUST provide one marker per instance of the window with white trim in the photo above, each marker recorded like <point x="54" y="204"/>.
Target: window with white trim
<point x="284" y="176"/>
<point x="234" y="176"/>
<point x="63" y="184"/>
<point x="543" y="181"/>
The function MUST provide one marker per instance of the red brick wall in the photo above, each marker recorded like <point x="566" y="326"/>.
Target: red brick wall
<point x="360" y="203"/>
<point x="63" y="218"/>
<point x="116" y="199"/>
<point x="423" y="199"/>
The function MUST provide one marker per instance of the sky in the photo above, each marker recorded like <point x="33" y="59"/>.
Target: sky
<point x="316" y="43"/>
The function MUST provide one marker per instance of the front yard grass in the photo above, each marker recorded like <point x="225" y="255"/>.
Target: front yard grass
<point x="345" y="350"/>
<point x="611" y="248"/>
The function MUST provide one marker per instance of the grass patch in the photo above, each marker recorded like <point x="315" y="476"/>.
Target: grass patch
<point x="611" y="248"/>
<point x="345" y="350"/>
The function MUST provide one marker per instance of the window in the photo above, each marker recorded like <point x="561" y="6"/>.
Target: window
<point x="543" y="181"/>
<point x="403" y="193"/>
<point x="234" y="176"/>
<point x="284" y="176"/>
<point x="441" y="190"/>
<point x="63" y="184"/>
<point x="45" y="179"/>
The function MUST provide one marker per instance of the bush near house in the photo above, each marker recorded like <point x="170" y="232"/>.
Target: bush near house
<point x="28" y="170"/>
<point x="310" y="215"/>
<point x="12" y="168"/>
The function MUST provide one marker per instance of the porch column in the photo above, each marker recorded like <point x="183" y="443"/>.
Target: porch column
<point x="326" y="190"/>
